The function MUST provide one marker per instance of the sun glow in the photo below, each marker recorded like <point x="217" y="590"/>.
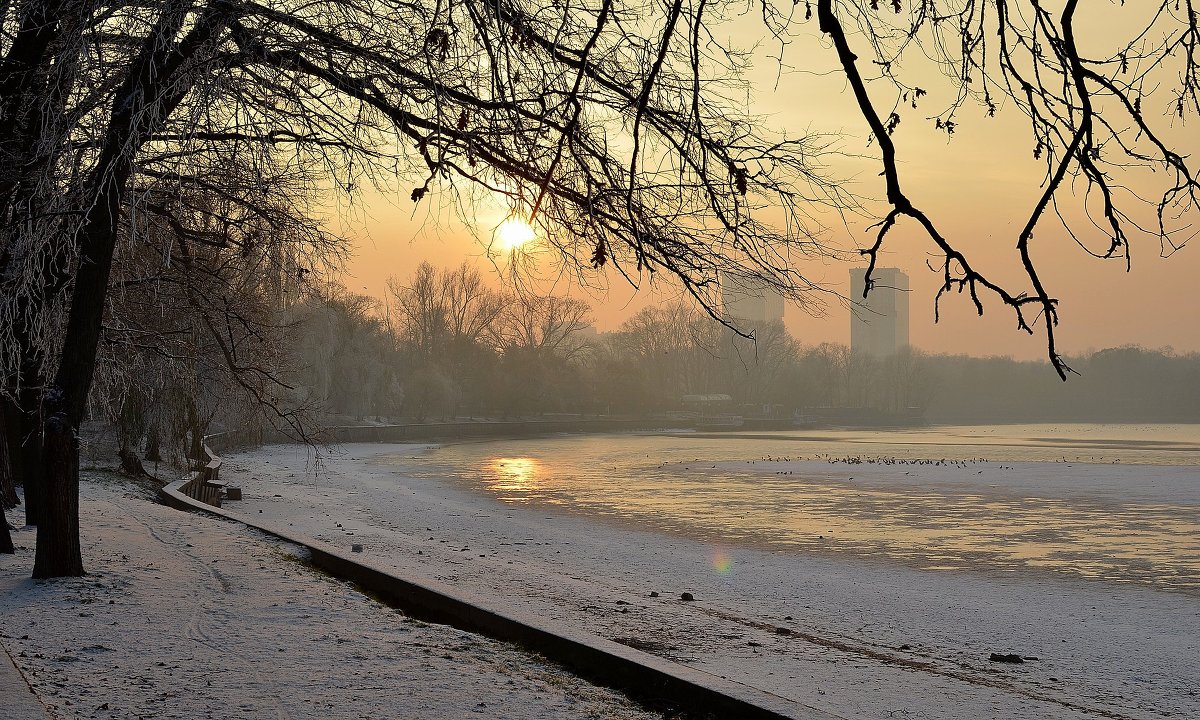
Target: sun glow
<point x="514" y="233"/>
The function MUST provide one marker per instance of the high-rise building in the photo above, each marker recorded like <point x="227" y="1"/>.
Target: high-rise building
<point x="750" y="301"/>
<point x="879" y="322"/>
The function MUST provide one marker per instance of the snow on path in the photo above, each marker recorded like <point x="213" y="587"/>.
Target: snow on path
<point x="189" y="616"/>
<point x="856" y="638"/>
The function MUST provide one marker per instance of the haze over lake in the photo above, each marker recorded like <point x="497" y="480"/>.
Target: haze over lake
<point x="1119" y="503"/>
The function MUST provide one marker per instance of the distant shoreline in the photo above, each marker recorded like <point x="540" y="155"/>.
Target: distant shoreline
<point x="487" y="430"/>
<point x="433" y="431"/>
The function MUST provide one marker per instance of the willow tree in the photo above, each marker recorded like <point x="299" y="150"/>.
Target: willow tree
<point x="617" y="126"/>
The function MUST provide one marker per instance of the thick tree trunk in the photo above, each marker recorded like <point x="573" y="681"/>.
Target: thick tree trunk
<point x="131" y="464"/>
<point x="65" y="402"/>
<point x="58" y="552"/>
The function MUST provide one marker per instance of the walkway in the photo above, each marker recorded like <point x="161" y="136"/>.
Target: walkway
<point x="17" y="702"/>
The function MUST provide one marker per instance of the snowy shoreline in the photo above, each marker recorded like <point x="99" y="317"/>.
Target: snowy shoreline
<point x="858" y="639"/>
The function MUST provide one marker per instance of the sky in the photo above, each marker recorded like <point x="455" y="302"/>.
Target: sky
<point x="978" y="187"/>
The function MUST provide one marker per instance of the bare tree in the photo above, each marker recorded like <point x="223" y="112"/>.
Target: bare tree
<point x="197" y="310"/>
<point x="676" y="347"/>
<point x="441" y="311"/>
<point x="420" y="312"/>
<point x="756" y="368"/>
<point x="445" y="318"/>
<point x="542" y="347"/>
<point x="348" y="362"/>
<point x="546" y="324"/>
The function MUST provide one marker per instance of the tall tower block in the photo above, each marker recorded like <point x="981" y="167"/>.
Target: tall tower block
<point x="748" y="301"/>
<point x="879" y="323"/>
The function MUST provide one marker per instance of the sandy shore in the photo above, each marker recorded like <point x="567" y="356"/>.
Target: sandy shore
<point x="188" y="616"/>
<point x="856" y="638"/>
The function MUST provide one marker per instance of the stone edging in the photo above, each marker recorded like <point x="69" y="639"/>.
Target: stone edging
<point x="204" y="484"/>
<point x="659" y="683"/>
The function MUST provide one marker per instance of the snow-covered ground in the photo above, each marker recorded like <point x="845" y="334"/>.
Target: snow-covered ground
<point x="188" y="616"/>
<point x="858" y="638"/>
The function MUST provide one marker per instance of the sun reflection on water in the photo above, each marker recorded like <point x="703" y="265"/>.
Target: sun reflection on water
<point x="517" y="478"/>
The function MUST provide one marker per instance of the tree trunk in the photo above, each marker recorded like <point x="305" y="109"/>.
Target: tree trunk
<point x="6" y="543"/>
<point x="8" y="491"/>
<point x="65" y="402"/>
<point x="32" y="469"/>
<point x="8" y="494"/>
<point x="58" y="552"/>
<point x="131" y="464"/>
<point x="196" y="445"/>
<point x="23" y="444"/>
<point x="153" y="443"/>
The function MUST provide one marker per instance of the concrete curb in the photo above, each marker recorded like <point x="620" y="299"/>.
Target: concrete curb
<point x="660" y="684"/>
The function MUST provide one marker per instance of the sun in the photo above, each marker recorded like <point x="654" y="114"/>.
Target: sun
<point x="514" y="233"/>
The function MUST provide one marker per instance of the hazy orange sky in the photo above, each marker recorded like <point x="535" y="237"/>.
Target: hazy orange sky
<point x="978" y="188"/>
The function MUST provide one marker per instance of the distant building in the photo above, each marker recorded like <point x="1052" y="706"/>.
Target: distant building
<point x="750" y="301"/>
<point x="879" y="322"/>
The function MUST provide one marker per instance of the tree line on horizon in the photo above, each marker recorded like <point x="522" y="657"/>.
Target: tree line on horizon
<point x="442" y="345"/>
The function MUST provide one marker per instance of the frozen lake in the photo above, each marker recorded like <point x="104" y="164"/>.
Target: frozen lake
<point x="1118" y="503"/>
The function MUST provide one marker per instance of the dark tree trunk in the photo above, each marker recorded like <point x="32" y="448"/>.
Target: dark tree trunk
<point x="65" y="402"/>
<point x="22" y="442"/>
<point x="8" y="494"/>
<point x="153" y="443"/>
<point x="8" y="490"/>
<point x="196" y="446"/>
<point x="6" y="543"/>
<point x="58" y="552"/>
<point x="131" y="464"/>
<point x="32" y="472"/>
<point x="21" y="71"/>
